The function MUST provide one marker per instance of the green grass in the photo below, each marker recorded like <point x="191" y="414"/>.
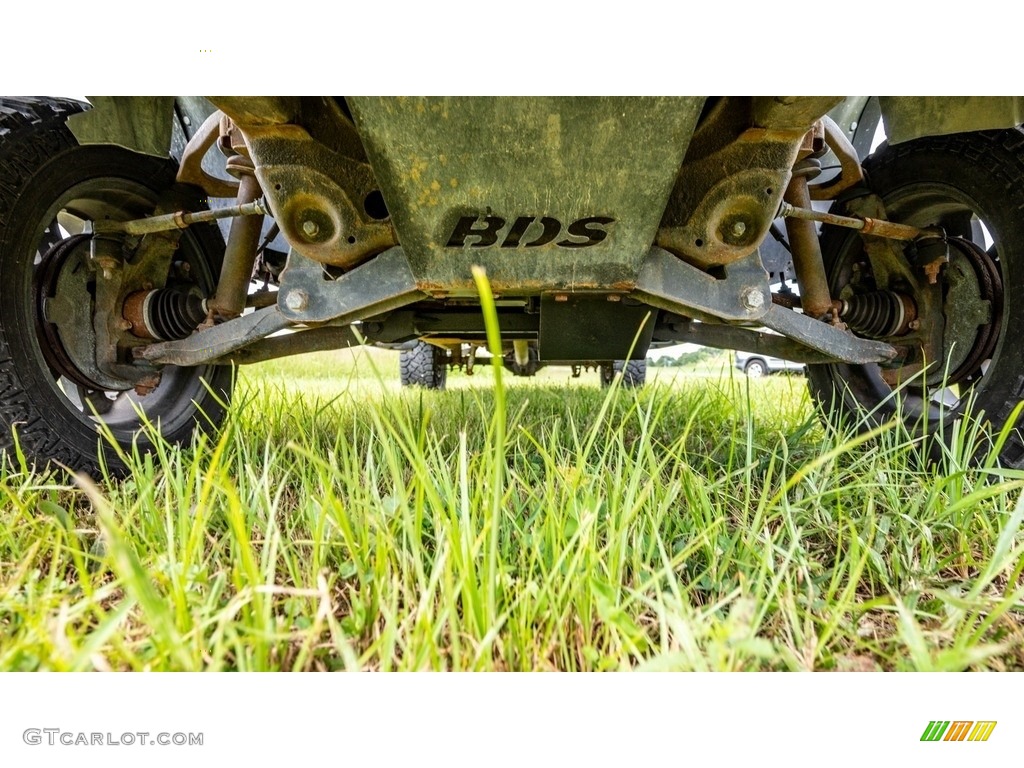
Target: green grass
<point x="704" y="522"/>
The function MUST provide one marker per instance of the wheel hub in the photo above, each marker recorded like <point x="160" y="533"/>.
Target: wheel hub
<point x="973" y="309"/>
<point x="64" y="289"/>
<point x="959" y="318"/>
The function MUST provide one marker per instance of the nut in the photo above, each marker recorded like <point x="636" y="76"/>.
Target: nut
<point x="310" y="228"/>
<point x="738" y="229"/>
<point x="753" y="298"/>
<point x="296" y="300"/>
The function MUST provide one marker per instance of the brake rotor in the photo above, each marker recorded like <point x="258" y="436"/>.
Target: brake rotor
<point x="973" y="308"/>
<point x="62" y="289"/>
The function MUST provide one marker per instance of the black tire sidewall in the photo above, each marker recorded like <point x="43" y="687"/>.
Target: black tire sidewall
<point x="634" y="373"/>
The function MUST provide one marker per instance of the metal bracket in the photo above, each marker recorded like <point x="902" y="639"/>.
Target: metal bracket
<point x="826" y="338"/>
<point x="744" y="295"/>
<point x="298" y="343"/>
<point x="668" y="282"/>
<point x="682" y="329"/>
<point x="320" y="198"/>
<point x="308" y="295"/>
<point x="218" y="341"/>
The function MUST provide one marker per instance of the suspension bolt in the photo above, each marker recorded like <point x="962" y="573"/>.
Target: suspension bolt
<point x="310" y="228"/>
<point x="753" y="298"/>
<point x="931" y="270"/>
<point x="738" y="229"/>
<point x="296" y="300"/>
<point x="106" y="255"/>
<point x="914" y="325"/>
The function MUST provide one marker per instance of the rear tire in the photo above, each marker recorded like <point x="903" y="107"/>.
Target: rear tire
<point x="634" y="373"/>
<point x="46" y="408"/>
<point x="424" y="365"/>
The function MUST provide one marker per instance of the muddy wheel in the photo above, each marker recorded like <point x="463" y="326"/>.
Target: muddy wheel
<point x="424" y="365"/>
<point x="54" y="403"/>
<point x="973" y="186"/>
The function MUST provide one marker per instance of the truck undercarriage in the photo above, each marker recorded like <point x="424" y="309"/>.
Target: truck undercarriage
<point x="147" y="244"/>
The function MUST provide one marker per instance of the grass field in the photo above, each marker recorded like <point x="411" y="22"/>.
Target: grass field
<point x="706" y="522"/>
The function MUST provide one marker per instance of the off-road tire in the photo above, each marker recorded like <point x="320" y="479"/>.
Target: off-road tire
<point x="634" y="373"/>
<point x="987" y="170"/>
<point x="40" y="161"/>
<point x="424" y="365"/>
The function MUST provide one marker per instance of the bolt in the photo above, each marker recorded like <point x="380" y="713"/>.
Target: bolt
<point x="932" y="270"/>
<point x="914" y="325"/>
<point x="561" y="297"/>
<point x="753" y="298"/>
<point x="107" y="266"/>
<point x="124" y="324"/>
<point x="614" y="297"/>
<point x="296" y="300"/>
<point x="738" y="229"/>
<point x="310" y="228"/>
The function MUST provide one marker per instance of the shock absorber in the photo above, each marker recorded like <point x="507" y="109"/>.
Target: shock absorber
<point x="165" y="314"/>
<point x="878" y="315"/>
<point x="803" y="239"/>
<point x="244" y="236"/>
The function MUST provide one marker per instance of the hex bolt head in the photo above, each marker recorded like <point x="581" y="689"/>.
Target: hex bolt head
<point x="310" y="228"/>
<point x="738" y="229"/>
<point x="296" y="300"/>
<point x="753" y="298"/>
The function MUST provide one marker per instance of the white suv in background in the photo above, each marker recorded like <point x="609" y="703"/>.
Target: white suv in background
<point x="755" y="364"/>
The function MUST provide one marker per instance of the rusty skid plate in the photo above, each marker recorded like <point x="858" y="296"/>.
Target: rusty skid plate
<point x="544" y="193"/>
